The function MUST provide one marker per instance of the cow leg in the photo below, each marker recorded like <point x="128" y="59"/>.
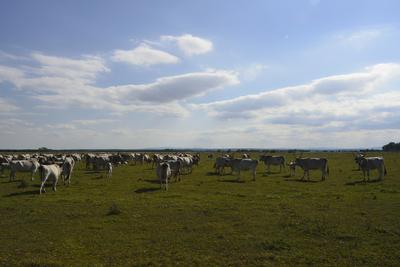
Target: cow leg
<point x="166" y="184"/>
<point x="42" y="185"/>
<point x="55" y="184"/>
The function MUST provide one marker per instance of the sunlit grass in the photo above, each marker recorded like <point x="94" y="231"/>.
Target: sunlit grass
<point x="205" y="219"/>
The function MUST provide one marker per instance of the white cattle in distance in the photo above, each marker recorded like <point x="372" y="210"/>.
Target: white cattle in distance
<point x="49" y="172"/>
<point x="220" y="164"/>
<point x="373" y="163"/>
<point x="308" y="164"/>
<point x="163" y="173"/>
<point x="273" y="160"/>
<point x="109" y="169"/>
<point x="239" y="165"/>
<point x="23" y="166"/>
<point x="67" y="168"/>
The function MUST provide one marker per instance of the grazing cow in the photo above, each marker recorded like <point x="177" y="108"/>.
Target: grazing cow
<point x="67" y="168"/>
<point x="164" y="173"/>
<point x="109" y="169"/>
<point x="23" y="166"/>
<point x="210" y="156"/>
<point x="245" y="156"/>
<point x="273" y="160"/>
<point x="371" y="163"/>
<point x="239" y="165"/>
<point x="308" y="164"/>
<point x="220" y="164"/>
<point x="49" y="171"/>
<point x="357" y="158"/>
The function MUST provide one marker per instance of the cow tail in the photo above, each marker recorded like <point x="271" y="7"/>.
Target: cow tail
<point x="385" y="171"/>
<point x="327" y="169"/>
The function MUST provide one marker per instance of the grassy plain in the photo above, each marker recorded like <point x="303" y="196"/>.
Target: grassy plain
<point x="205" y="220"/>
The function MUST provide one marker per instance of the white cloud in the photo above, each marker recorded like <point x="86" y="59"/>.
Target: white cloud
<point x="6" y="106"/>
<point x="353" y="100"/>
<point x="361" y="38"/>
<point x="189" y="44"/>
<point x="144" y="55"/>
<point x="62" y="82"/>
<point x="86" y="68"/>
<point x="174" y="88"/>
<point x="252" y="72"/>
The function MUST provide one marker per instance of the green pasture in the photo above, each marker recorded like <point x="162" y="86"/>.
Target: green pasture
<point x="205" y="219"/>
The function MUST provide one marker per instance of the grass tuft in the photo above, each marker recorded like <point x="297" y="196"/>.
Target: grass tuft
<point x="114" y="210"/>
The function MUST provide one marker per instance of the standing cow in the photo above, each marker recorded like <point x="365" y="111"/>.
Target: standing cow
<point x="49" y="172"/>
<point x="273" y="160"/>
<point x="67" y="168"/>
<point x="163" y="174"/>
<point x="23" y="166"/>
<point x="372" y="163"/>
<point x="308" y="164"/>
<point x="239" y="165"/>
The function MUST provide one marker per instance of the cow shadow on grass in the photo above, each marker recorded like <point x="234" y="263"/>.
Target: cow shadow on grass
<point x="146" y="190"/>
<point x="153" y="181"/>
<point x="299" y="180"/>
<point x="235" y="181"/>
<point x="362" y="182"/>
<point x="212" y="174"/>
<point x="24" y="193"/>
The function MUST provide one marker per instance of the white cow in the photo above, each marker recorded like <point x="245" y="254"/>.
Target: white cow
<point x="23" y="166"/>
<point x="109" y="169"/>
<point x="239" y="165"/>
<point x="67" y="169"/>
<point x="371" y="163"/>
<point x="49" y="171"/>
<point x="220" y="164"/>
<point x="308" y="164"/>
<point x="163" y="173"/>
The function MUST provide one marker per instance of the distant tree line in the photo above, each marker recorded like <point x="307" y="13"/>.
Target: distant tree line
<point x="392" y="146"/>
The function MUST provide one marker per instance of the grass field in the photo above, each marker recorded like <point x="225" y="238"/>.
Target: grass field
<point x="205" y="220"/>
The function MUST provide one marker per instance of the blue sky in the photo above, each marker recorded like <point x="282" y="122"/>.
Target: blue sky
<point x="137" y="74"/>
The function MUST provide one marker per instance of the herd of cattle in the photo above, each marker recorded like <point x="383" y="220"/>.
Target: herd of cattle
<point x="168" y="166"/>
